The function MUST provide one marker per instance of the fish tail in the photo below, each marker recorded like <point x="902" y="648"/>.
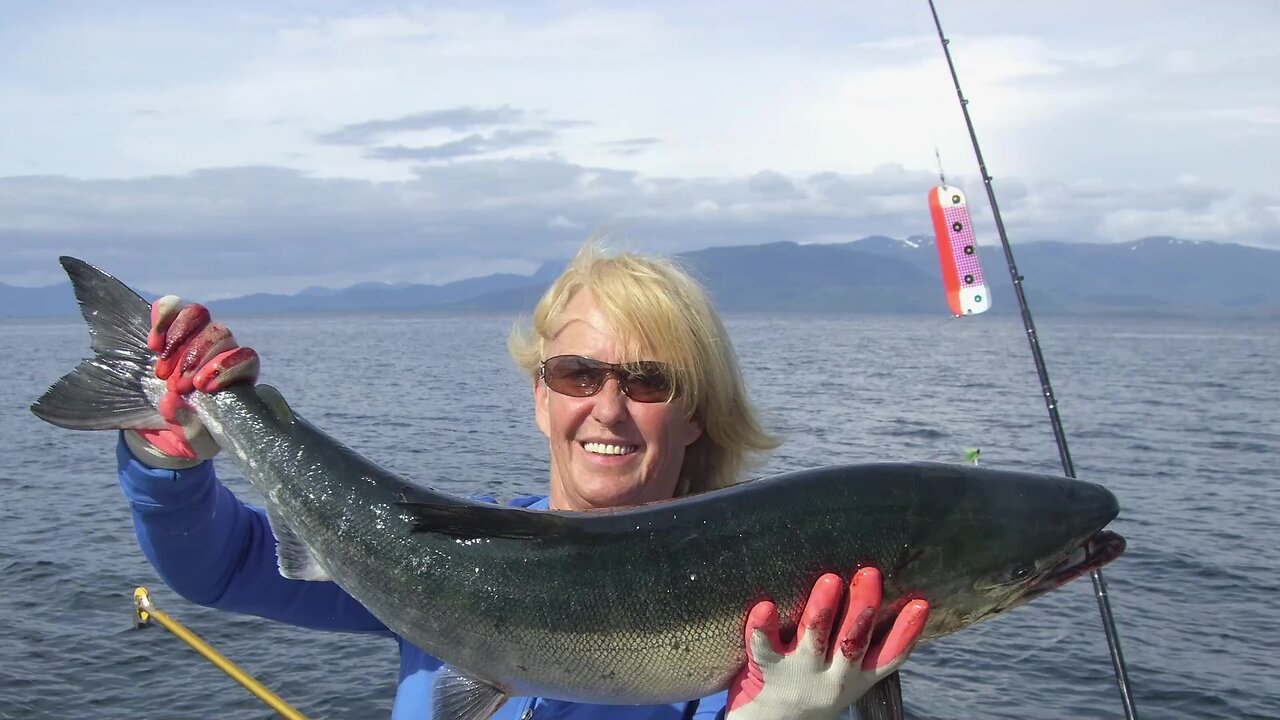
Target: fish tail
<point x="106" y="391"/>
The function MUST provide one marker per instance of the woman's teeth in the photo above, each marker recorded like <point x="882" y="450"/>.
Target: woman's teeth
<point x="604" y="449"/>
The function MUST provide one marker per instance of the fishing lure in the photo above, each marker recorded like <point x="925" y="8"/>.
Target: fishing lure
<point x="966" y="292"/>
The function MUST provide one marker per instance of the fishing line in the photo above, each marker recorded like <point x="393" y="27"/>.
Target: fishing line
<point x="1099" y="585"/>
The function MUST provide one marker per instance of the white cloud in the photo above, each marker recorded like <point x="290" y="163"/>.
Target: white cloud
<point x="560" y="221"/>
<point x="159" y="129"/>
<point x="224" y="232"/>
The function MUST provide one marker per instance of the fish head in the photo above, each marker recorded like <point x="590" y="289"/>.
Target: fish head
<point x="1006" y="539"/>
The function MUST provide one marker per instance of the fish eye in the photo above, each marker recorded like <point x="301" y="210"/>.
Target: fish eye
<point x="1007" y="577"/>
<point x="1021" y="572"/>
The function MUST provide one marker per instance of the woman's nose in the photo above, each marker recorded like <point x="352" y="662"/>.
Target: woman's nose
<point x="610" y="405"/>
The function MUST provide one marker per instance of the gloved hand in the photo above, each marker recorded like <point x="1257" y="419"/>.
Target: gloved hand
<point x="194" y="355"/>
<point x="816" y="676"/>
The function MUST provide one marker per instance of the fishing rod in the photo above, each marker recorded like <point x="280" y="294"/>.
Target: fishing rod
<point x="1099" y="585"/>
<point x="145" y="612"/>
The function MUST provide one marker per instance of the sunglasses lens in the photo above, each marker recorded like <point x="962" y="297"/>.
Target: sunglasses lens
<point x="582" y="377"/>
<point x="649" y="384"/>
<point x="574" y="376"/>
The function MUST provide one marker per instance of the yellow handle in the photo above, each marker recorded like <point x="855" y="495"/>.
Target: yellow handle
<point x="146" y="613"/>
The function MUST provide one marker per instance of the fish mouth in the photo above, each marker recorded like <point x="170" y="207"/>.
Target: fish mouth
<point x="1104" y="547"/>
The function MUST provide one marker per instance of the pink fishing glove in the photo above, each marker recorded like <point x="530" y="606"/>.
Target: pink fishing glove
<point x="817" y="675"/>
<point x="194" y="355"/>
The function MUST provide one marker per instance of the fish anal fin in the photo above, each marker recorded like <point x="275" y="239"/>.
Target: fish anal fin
<point x="294" y="559"/>
<point x="883" y="701"/>
<point x="458" y="697"/>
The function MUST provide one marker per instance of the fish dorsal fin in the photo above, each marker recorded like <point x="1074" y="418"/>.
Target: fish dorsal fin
<point x="883" y="701"/>
<point x="475" y="520"/>
<point x="458" y="697"/>
<point x="293" y="557"/>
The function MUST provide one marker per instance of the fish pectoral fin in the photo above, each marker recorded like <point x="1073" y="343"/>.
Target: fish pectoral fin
<point x="458" y="697"/>
<point x="883" y="701"/>
<point x="293" y="557"/>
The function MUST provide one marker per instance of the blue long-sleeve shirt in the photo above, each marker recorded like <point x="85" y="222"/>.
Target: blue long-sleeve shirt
<point x="214" y="550"/>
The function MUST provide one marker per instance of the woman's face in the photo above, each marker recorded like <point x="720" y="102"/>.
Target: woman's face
<point x="607" y="450"/>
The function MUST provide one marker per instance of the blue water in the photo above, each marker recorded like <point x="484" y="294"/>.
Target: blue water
<point x="1178" y="418"/>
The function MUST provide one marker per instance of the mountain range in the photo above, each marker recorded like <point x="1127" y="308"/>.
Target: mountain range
<point x="1155" y="276"/>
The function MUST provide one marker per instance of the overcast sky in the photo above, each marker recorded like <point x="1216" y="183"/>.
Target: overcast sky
<point x="214" y="149"/>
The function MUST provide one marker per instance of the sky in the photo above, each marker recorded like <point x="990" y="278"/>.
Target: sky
<point x="217" y="149"/>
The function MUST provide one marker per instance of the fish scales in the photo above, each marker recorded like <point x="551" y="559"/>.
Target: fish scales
<point x="658" y="588"/>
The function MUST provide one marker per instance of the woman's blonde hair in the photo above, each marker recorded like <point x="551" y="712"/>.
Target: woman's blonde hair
<point x="661" y="313"/>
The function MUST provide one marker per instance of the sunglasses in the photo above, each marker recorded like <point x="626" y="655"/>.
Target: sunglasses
<point x="576" y="376"/>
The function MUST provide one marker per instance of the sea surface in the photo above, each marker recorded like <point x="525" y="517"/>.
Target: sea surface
<point x="1181" y="419"/>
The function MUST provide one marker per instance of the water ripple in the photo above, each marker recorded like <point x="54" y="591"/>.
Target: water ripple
<point x="1196" y="597"/>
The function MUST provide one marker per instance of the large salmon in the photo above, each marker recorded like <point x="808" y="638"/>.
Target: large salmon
<point x="630" y="606"/>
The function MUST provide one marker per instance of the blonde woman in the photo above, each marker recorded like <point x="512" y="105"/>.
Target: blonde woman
<point x="637" y="389"/>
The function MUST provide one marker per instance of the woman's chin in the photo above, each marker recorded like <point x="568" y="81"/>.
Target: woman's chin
<point x="602" y="498"/>
<point x="593" y="489"/>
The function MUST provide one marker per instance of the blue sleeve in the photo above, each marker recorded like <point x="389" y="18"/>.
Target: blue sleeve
<point x="214" y="550"/>
<point x="709" y="707"/>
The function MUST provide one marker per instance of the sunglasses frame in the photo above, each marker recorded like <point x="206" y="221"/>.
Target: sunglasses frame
<point x="618" y="371"/>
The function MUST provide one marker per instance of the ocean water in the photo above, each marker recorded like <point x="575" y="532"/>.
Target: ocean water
<point x="1180" y="419"/>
